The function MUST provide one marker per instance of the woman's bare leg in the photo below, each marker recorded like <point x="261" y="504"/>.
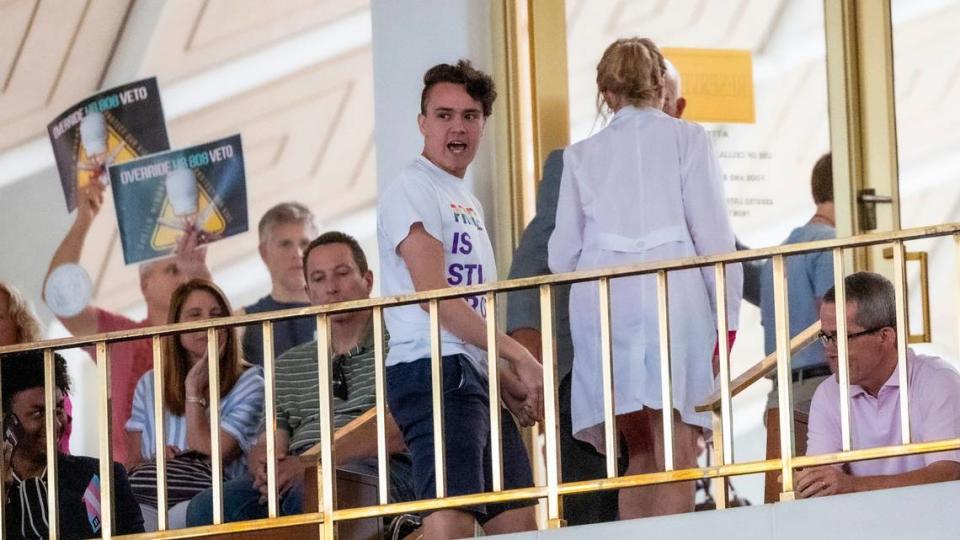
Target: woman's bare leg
<point x="636" y="502"/>
<point x="643" y="431"/>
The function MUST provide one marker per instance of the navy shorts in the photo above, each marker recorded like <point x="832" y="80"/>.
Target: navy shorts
<point x="466" y="428"/>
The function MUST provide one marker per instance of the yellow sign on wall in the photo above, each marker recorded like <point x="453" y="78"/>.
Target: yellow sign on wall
<point x="717" y="83"/>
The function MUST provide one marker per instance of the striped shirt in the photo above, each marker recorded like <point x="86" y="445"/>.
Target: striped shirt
<point x="241" y="412"/>
<point x="297" y="387"/>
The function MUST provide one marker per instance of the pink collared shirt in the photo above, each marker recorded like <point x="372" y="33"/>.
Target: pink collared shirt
<point x="934" y="393"/>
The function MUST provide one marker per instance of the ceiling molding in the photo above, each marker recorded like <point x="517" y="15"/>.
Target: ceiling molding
<point x="45" y="65"/>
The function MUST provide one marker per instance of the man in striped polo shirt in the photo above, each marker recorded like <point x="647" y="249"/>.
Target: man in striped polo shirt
<point x="336" y="270"/>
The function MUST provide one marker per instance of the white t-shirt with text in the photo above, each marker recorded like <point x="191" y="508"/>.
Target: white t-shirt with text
<point x="450" y="213"/>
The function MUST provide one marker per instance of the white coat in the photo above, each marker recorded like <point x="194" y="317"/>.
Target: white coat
<point x="645" y="188"/>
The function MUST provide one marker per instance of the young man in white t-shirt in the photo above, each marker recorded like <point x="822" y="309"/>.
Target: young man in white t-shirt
<point x="432" y="235"/>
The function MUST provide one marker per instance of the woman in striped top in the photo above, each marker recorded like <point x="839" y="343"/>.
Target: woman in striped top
<point x="186" y="416"/>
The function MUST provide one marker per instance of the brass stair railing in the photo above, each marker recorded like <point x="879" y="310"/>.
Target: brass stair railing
<point x="554" y="489"/>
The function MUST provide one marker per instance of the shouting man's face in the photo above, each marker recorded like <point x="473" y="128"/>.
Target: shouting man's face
<point x="451" y="127"/>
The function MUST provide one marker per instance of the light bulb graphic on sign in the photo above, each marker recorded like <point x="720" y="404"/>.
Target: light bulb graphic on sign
<point x="93" y="137"/>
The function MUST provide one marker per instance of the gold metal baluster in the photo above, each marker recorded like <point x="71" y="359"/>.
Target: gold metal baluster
<point x="160" y="446"/>
<point x="50" y="431"/>
<point x="436" y="375"/>
<point x="719" y="486"/>
<point x="666" y="376"/>
<point x="106" y="450"/>
<point x="327" y="470"/>
<point x="550" y="403"/>
<point x="216" y="455"/>
<point x="493" y="377"/>
<point x="3" y="487"/>
<point x="903" y="329"/>
<point x="956" y="253"/>
<point x="784" y="375"/>
<point x="270" y="415"/>
<point x="726" y="403"/>
<point x="606" y="364"/>
<point x="380" y="382"/>
<point x="843" y="355"/>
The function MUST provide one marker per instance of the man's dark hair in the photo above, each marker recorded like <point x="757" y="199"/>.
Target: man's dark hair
<point x="24" y="370"/>
<point x="337" y="237"/>
<point x="478" y="84"/>
<point x="875" y="298"/>
<point x="821" y="181"/>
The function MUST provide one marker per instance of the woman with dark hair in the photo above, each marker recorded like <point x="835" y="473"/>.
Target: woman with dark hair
<point x="186" y="412"/>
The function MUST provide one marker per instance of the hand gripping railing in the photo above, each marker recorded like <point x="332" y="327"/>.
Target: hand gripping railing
<point x="554" y="489"/>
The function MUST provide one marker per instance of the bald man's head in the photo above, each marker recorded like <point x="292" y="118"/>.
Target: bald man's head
<point x="673" y="102"/>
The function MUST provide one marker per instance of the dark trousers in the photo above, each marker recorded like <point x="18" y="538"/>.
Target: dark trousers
<point x="581" y="462"/>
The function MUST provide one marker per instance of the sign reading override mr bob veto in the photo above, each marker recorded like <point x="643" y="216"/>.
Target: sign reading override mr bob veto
<point x="108" y="128"/>
<point x="161" y="197"/>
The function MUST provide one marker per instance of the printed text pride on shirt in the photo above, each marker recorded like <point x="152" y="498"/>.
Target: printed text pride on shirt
<point x="459" y="273"/>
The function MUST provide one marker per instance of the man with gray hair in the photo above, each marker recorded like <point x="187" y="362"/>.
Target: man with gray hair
<point x="673" y="101"/>
<point x="158" y="279"/>
<point x="933" y="391"/>
<point x="285" y="231"/>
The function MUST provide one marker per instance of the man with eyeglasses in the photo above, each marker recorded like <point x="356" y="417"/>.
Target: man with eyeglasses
<point x="335" y="269"/>
<point x="933" y="391"/>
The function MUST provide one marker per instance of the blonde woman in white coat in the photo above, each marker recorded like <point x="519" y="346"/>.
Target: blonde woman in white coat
<point x="645" y="188"/>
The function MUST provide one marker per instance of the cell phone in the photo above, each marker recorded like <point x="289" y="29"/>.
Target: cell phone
<point x="12" y="429"/>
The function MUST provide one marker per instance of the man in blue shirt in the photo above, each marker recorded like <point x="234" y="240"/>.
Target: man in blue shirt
<point x="285" y="230"/>
<point x="809" y="276"/>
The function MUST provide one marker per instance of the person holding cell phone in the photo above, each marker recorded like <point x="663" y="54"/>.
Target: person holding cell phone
<point x="19" y="324"/>
<point x="25" y="460"/>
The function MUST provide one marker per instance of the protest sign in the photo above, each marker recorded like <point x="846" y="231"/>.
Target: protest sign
<point x="108" y="128"/>
<point x="160" y="197"/>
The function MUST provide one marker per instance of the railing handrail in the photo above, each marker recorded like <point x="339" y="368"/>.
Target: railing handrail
<point x="554" y="488"/>
<point x="760" y="369"/>
<point x="496" y="287"/>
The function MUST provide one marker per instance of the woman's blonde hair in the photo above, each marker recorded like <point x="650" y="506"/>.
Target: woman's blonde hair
<point x="633" y="69"/>
<point x="176" y="364"/>
<point x="22" y="314"/>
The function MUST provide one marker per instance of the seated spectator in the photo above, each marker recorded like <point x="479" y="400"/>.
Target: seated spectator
<point x="187" y="415"/>
<point x="129" y="359"/>
<point x="19" y="324"/>
<point x="934" y="393"/>
<point x="285" y="230"/>
<point x="25" y="461"/>
<point x="336" y="270"/>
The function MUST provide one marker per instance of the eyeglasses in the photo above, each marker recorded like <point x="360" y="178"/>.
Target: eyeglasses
<point x="340" y="380"/>
<point x="831" y="338"/>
